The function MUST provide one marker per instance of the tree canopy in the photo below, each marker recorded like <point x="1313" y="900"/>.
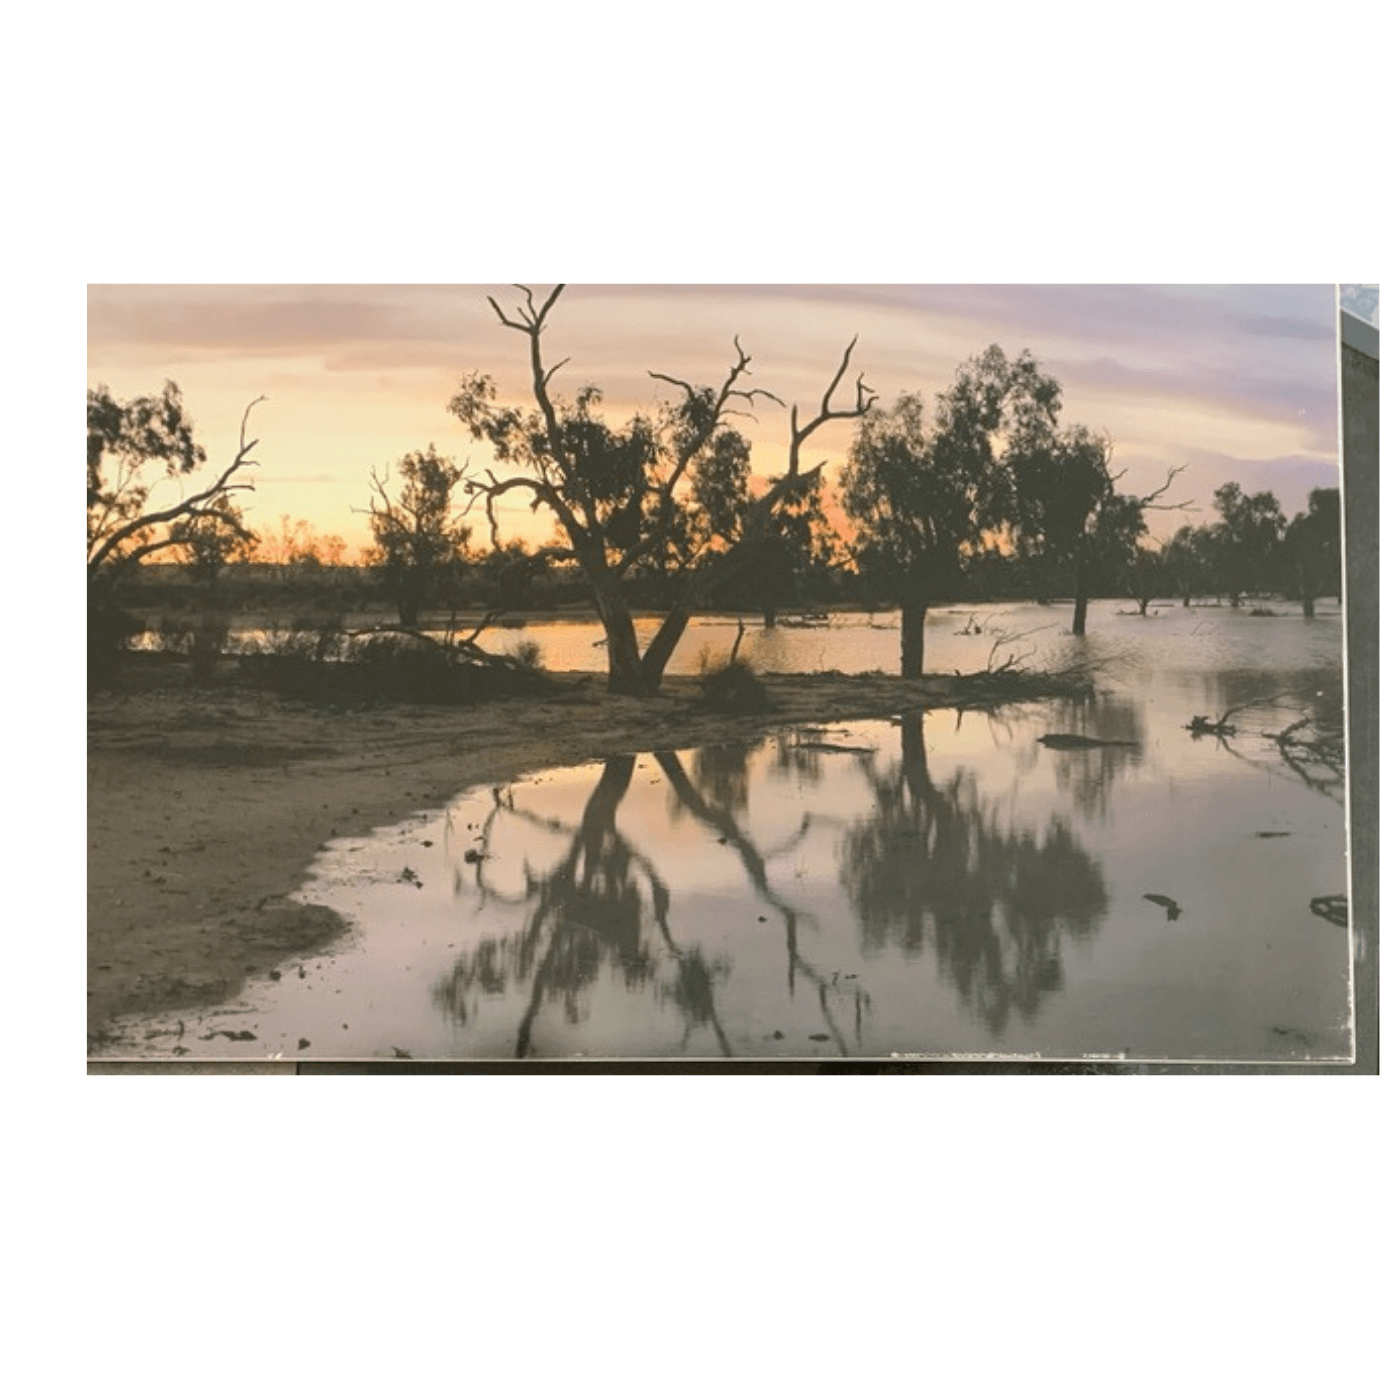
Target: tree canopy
<point x="1247" y="541"/>
<point x="1312" y="547"/>
<point x="671" y="487"/>
<point x="418" y="534"/>
<point x="123" y="439"/>
<point x="923" y="497"/>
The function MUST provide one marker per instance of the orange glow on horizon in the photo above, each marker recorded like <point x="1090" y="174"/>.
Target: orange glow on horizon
<point x="356" y="377"/>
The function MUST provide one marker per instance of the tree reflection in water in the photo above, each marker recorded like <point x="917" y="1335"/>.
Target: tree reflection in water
<point x="593" y="910"/>
<point x="1299" y="717"/>
<point x="931" y="867"/>
<point x="586" y="913"/>
<point x="1088" y="775"/>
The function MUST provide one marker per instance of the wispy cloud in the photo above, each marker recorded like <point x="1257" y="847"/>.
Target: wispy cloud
<point x="1238" y="380"/>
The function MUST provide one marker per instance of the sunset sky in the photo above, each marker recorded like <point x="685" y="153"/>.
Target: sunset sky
<point x="1236" y="382"/>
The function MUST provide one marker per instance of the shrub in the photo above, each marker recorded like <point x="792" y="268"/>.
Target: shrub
<point x="109" y="629"/>
<point x="201" y="636"/>
<point x="734" y="688"/>
<point x="527" y="654"/>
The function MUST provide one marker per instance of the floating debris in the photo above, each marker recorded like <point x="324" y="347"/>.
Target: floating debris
<point x="1168" y="903"/>
<point x="1333" y="908"/>
<point x="1201" y="725"/>
<point x="1271" y="835"/>
<point x="1084" y="741"/>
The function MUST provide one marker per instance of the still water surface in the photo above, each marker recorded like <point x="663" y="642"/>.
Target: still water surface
<point x="924" y="884"/>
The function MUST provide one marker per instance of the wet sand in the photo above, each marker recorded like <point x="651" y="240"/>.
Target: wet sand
<point x="206" y="806"/>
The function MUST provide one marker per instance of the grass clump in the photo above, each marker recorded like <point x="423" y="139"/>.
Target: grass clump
<point x="734" y="688"/>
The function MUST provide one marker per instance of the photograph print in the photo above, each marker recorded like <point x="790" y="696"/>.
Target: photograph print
<point x="691" y="675"/>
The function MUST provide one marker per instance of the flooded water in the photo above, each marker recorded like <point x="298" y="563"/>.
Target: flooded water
<point x="928" y="884"/>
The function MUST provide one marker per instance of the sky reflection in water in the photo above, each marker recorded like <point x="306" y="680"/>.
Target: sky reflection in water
<point x="928" y="884"/>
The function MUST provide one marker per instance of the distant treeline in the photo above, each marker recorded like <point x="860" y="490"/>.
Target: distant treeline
<point x="979" y="492"/>
<point x="1248" y="549"/>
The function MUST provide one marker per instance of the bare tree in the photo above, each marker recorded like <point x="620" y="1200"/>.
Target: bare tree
<point x="676" y="483"/>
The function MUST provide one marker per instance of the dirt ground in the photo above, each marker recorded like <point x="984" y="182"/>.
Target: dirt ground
<point x="206" y="806"/>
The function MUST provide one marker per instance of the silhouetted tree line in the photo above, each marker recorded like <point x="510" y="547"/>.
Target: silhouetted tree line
<point x="1254" y="549"/>
<point x="981" y="492"/>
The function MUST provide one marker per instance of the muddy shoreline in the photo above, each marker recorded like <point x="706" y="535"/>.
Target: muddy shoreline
<point x="207" y="806"/>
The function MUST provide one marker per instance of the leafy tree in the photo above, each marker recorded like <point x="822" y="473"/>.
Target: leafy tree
<point x="1146" y="577"/>
<point x="214" y="541"/>
<point x="1071" y="515"/>
<point x="1312" y="547"/>
<point x="417" y="539"/>
<point x="798" y="548"/>
<point x="1248" y="541"/>
<point x="509" y="574"/>
<point x="670" y="489"/>
<point x="1189" y="561"/>
<point x="922" y="498"/>
<point x="125" y="525"/>
<point x="123" y="439"/>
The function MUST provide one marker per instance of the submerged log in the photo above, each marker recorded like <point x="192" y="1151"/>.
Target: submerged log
<point x="1168" y="903"/>
<point x="1332" y="907"/>
<point x="1084" y="741"/>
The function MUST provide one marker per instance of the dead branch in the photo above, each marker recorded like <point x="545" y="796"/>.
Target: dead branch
<point x="1151" y="500"/>
<point x="487" y="492"/>
<point x="864" y="401"/>
<point x="738" y="639"/>
<point x="531" y="323"/>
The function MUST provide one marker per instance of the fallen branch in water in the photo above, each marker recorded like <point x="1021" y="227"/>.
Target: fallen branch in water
<point x="1201" y="725"/>
<point x="1222" y="727"/>
<point x="1085" y="741"/>
<point x="1332" y="907"/>
<point x="1325" y="750"/>
<point x="454" y="647"/>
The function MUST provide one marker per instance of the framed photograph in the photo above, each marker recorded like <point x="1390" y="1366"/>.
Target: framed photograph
<point x="927" y="678"/>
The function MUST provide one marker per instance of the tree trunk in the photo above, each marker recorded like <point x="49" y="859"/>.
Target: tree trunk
<point x="1081" y="598"/>
<point x="1081" y="615"/>
<point x="625" y="675"/>
<point x="914" y="753"/>
<point x="1142" y="606"/>
<point x="662" y="648"/>
<point x="1308" y="603"/>
<point x="1186" y="599"/>
<point x="911" y="639"/>
<point x="770" y="615"/>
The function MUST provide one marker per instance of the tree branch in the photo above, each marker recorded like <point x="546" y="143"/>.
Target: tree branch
<point x="190" y="505"/>
<point x="864" y="401"/>
<point x="1150" y="501"/>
